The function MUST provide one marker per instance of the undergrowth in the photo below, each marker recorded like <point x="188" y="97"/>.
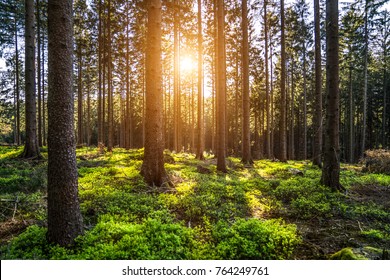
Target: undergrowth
<point x="248" y="213"/>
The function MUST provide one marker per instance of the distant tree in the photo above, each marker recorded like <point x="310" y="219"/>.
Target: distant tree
<point x="200" y="147"/>
<point x="221" y="87"/>
<point x="31" y="147"/>
<point x="317" y="144"/>
<point x="152" y="168"/>
<point x="246" y="141"/>
<point x="65" y="222"/>
<point x="282" y="126"/>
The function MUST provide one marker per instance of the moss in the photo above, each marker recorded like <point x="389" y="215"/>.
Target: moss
<point x="346" y="254"/>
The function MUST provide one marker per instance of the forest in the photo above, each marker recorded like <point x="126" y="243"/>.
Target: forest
<point x="194" y="129"/>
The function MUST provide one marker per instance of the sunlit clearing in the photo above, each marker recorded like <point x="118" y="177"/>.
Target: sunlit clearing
<point x="187" y="64"/>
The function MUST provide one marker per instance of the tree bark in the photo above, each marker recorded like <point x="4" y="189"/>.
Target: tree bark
<point x="31" y="148"/>
<point x="282" y="127"/>
<point x="331" y="165"/>
<point x="200" y="144"/>
<point x="246" y="133"/>
<point x="221" y="88"/>
<point x="267" y="93"/>
<point x="153" y="169"/>
<point x="65" y="222"/>
<point x="317" y="143"/>
<point x="110" y="105"/>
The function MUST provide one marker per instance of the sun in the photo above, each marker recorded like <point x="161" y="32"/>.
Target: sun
<point x="187" y="64"/>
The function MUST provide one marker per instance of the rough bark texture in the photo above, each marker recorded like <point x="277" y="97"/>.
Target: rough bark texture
<point x="317" y="143"/>
<point x="200" y="147"/>
<point x="221" y="88"/>
<point x="31" y="148"/>
<point x="246" y="133"/>
<point x="64" y="219"/>
<point x="331" y="167"/>
<point x="282" y="127"/>
<point x="153" y="165"/>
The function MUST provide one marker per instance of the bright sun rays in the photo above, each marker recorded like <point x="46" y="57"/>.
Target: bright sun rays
<point x="187" y="64"/>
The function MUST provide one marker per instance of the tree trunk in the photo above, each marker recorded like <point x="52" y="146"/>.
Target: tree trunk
<point x="17" y="83"/>
<point x="246" y="133"/>
<point x="31" y="148"/>
<point x="267" y="93"/>
<point x="317" y="143"/>
<point x="282" y="127"/>
<point x="100" y="103"/>
<point x="221" y="88"/>
<point x="351" y="114"/>
<point x="178" y="144"/>
<point x="110" y="105"/>
<point x="304" y="146"/>
<point x="80" y="134"/>
<point x="153" y="165"/>
<point x="331" y="166"/>
<point x="200" y="144"/>
<point x="65" y="222"/>
<point x="365" y="70"/>
<point x="39" y="75"/>
<point x="292" y="117"/>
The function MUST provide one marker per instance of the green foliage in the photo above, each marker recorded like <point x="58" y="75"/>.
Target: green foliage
<point x="255" y="239"/>
<point x="346" y="254"/>
<point x="204" y="216"/>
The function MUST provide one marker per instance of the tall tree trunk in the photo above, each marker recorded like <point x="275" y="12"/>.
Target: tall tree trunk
<point x="153" y="165"/>
<point x="317" y="143"/>
<point x="31" y="148"/>
<point x="221" y="88"/>
<point x="292" y="117"/>
<point x="272" y="107"/>
<point x="110" y="105"/>
<point x="267" y="93"/>
<point x="17" y="86"/>
<point x="39" y="74"/>
<point x="200" y="144"/>
<point x="351" y="114"/>
<point x="331" y="165"/>
<point x="384" y="112"/>
<point x="88" y="124"/>
<point x="100" y="82"/>
<point x="43" y="91"/>
<point x="246" y="133"/>
<point x="65" y="222"/>
<point x="176" y="76"/>
<point x="80" y="134"/>
<point x="365" y="69"/>
<point x="304" y="146"/>
<point x="282" y="126"/>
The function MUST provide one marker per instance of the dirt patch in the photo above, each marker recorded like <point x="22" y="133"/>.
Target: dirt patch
<point x="371" y="193"/>
<point x="12" y="228"/>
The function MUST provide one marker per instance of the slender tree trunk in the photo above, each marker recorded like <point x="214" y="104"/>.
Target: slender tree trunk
<point x="110" y="106"/>
<point x="317" y="143"/>
<point x="268" y="105"/>
<point x="176" y="87"/>
<point x="31" y="148"/>
<point x="80" y="136"/>
<point x="221" y="88"/>
<point x="43" y="92"/>
<point x="384" y="112"/>
<point x="272" y="108"/>
<point x="331" y="165"/>
<point x="351" y="113"/>
<point x="17" y="86"/>
<point x="88" y="124"/>
<point x="65" y="222"/>
<point x="304" y="146"/>
<point x="246" y="133"/>
<point x="153" y="165"/>
<point x="292" y="117"/>
<point x="100" y="103"/>
<point x="39" y="74"/>
<point x="200" y="144"/>
<point x="282" y="127"/>
<point x="365" y="69"/>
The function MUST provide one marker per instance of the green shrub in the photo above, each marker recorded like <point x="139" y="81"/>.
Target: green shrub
<point x="255" y="239"/>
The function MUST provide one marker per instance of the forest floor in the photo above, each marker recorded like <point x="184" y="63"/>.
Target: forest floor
<point x="270" y="210"/>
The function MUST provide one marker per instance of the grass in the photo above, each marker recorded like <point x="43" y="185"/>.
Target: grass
<point x="268" y="211"/>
